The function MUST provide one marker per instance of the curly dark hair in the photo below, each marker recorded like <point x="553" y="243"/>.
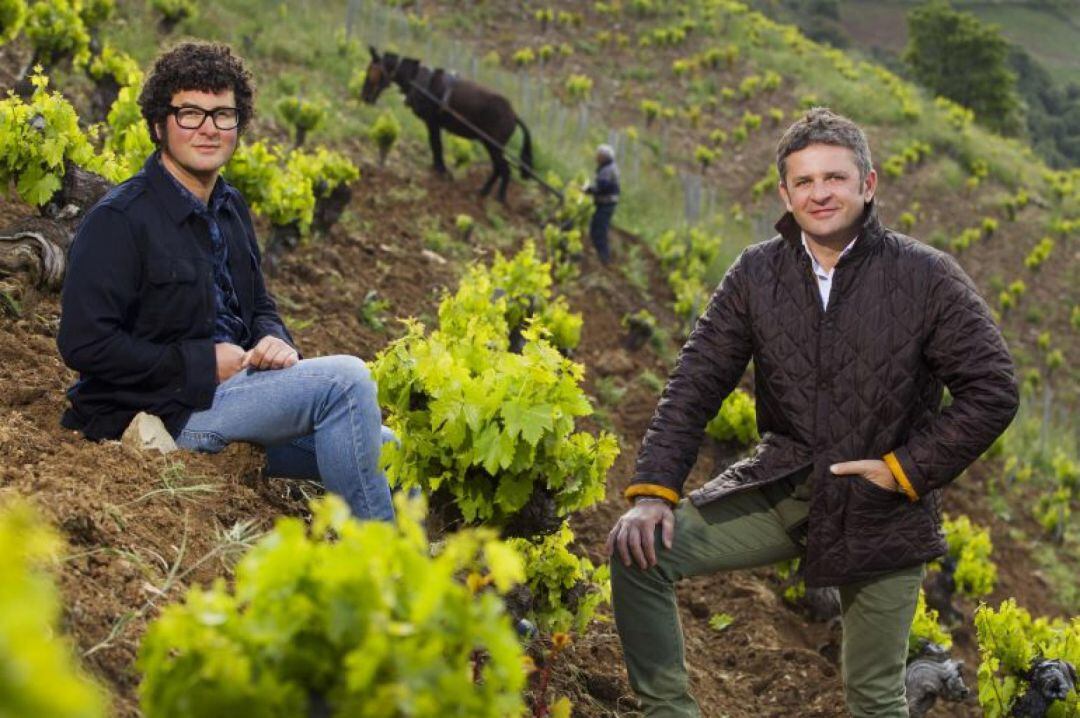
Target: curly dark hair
<point x="201" y="66"/>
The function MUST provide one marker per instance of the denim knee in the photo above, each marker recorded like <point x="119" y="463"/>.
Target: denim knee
<point x="349" y="373"/>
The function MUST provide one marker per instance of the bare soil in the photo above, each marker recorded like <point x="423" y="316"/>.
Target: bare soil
<point x="133" y="520"/>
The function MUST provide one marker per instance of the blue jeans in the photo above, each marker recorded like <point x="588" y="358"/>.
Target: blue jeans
<point x="318" y="420"/>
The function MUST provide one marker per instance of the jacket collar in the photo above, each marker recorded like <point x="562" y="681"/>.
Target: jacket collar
<point x="178" y="204"/>
<point x="869" y="235"/>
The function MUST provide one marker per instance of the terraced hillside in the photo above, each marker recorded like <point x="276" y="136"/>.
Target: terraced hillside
<point x="693" y="95"/>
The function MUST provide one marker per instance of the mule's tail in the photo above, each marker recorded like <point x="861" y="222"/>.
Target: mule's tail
<point x="526" y="150"/>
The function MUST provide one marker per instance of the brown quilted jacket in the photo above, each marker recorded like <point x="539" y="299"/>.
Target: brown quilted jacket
<point x="863" y="379"/>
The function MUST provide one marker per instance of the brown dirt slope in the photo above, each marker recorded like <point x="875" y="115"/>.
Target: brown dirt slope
<point x="132" y="521"/>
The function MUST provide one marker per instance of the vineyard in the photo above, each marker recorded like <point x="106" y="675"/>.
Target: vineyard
<point x="517" y="372"/>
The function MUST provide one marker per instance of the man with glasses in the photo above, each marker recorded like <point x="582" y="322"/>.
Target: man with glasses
<point x="165" y="310"/>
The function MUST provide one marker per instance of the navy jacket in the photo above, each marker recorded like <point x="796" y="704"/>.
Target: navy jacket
<point x="138" y="309"/>
<point x="605" y="188"/>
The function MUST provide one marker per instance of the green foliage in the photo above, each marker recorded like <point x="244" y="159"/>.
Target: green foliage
<point x="578" y="88"/>
<point x="489" y="426"/>
<point x="682" y="67"/>
<point x="252" y="168"/>
<point x="128" y="138"/>
<point x="116" y="64"/>
<point x="514" y="293"/>
<point x="749" y="86"/>
<point x="736" y="421"/>
<point x="38" y="673"/>
<point x="356" y="613"/>
<point x="719" y="621"/>
<point x="751" y="121"/>
<point x="642" y="318"/>
<point x="689" y="256"/>
<point x="524" y="57"/>
<point x="704" y="156"/>
<point x="925" y="626"/>
<point x="786" y="571"/>
<point x="690" y="292"/>
<point x="1052" y="110"/>
<point x="562" y="237"/>
<point x="956" y="55"/>
<point x="1039" y="254"/>
<point x="651" y="110"/>
<point x="1009" y="641"/>
<point x="57" y="31"/>
<point x="373" y="310"/>
<point x="566" y="589"/>
<point x="907" y="221"/>
<point x="12" y="16"/>
<point x="174" y="11"/>
<point x="1052" y="511"/>
<point x="462" y="152"/>
<point x="274" y="187"/>
<point x="912" y="154"/>
<point x="384" y="132"/>
<point x="965" y="239"/>
<point x="283" y="186"/>
<point x="94" y="12"/>
<point x="326" y="169"/>
<point x="464" y="224"/>
<point x="37" y="138"/>
<point x="767" y="184"/>
<point x="1012" y="205"/>
<point x="301" y="114"/>
<point x="970" y="547"/>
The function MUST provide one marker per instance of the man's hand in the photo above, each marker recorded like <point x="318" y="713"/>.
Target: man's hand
<point x="270" y="353"/>
<point x="633" y="532"/>
<point x="230" y="359"/>
<point x="872" y="470"/>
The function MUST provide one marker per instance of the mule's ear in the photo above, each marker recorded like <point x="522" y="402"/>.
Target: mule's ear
<point x="374" y="53"/>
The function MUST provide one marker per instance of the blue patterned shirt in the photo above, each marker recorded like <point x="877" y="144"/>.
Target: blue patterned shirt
<point x="228" y="326"/>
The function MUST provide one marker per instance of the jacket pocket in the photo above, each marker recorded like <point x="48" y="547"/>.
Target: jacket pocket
<point x="174" y="299"/>
<point x="872" y="510"/>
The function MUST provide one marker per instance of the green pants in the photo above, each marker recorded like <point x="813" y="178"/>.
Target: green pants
<point x="745" y="530"/>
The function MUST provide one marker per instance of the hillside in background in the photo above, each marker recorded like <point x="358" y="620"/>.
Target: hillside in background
<point x="693" y="95"/>
<point x="1041" y="55"/>
<point x="1050" y="31"/>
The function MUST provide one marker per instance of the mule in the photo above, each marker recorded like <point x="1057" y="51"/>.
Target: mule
<point x="441" y="103"/>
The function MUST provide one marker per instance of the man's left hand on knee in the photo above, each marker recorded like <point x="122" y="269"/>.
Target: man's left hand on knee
<point x="270" y="353"/>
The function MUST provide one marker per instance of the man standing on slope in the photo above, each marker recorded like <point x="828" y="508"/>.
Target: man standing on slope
<point x="854" y="330"/>
<point x="165" y="310"/>
<point x="605" y="193"/>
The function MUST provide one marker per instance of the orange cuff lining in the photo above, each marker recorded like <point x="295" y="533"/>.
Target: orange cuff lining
<point x="652" y="490"/>
<point x="898" y="473"/>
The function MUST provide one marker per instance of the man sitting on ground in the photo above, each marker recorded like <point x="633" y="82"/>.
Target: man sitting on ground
<point x="165" y="310"/>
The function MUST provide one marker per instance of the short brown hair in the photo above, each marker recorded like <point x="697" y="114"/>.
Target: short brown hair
<point x="822" y="126"/>
<point x="201" y="66"/>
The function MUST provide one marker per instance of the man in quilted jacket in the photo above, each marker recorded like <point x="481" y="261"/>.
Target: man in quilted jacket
<point x="854" y="331"/>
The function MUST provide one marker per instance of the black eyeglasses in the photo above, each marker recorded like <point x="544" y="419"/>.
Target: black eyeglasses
<point x="192" y="118"/>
